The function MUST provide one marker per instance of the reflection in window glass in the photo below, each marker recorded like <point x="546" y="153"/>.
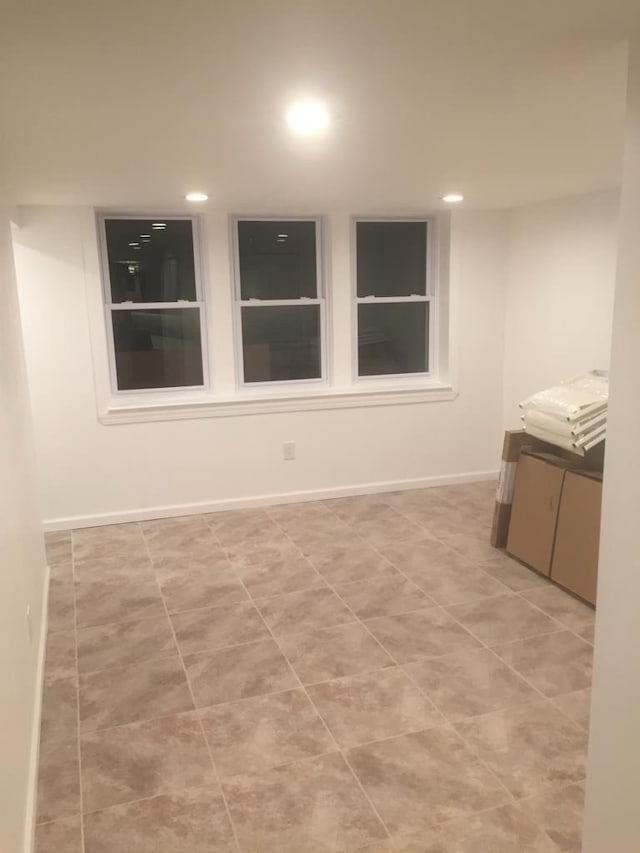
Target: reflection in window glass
<point x="277" y="259"/>
<point x="281" y="343"/>
<point x="157" y="348"/>
<point x="151" y="260"/>
<point x="393" y="338"/>
<point x="391" y="258"/>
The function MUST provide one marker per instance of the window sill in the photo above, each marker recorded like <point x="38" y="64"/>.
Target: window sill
<point x="122" y="412"/>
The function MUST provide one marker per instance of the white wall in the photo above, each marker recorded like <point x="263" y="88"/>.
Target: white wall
<point x="22" y="572"/>
<point x="561" y="275"/>
<point x="612" y="817"/>
<point x="88" y="469"/>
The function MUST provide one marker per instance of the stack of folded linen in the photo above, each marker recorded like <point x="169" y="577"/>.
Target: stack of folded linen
<point x="572" y="415"/>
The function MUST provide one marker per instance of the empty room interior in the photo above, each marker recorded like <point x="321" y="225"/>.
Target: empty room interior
<point x="319" y="449"/>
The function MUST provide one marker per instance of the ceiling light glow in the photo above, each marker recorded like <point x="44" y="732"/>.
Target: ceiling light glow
<point x="158" y="226"/>
<point x="308" y="117"/>
<point x="452" y="198"/>
<point x="196" y="196"/>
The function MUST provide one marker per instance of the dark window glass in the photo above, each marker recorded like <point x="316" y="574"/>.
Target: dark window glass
<point x="157" y="348"/>
<point x="391" y="258"/>
<point x="277" y="260"/>
<point x="150" y="263"/>
<point x="281" y="342"/>
<point x="392" y="338"/>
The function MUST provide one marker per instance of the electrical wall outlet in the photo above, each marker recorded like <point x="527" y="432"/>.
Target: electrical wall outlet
<point x="288" y="451"/>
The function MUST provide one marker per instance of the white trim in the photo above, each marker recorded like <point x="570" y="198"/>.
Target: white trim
<point x="265" y="500"/>
<point x="266" y="403"/>
<point x="34" y="758"/>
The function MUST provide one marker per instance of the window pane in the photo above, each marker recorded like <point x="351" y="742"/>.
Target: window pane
<point x="391" y="258"/>
<point x="148" y="263"/>
<point x="277" y="260"/>
<point x="393" y="338"/>
<point x="281" y="343"/>
<point x="158" y="348"/>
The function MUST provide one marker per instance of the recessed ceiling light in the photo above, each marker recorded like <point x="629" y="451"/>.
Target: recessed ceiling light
<point x="308" y="117"/>
<point x="196" y="196"/>
<point x="145" y="236"/>
<point x="134" y="244"/>
<point x="158" y="226"/>
<point x="452" y="198"/>
<point x="282" y="236"/>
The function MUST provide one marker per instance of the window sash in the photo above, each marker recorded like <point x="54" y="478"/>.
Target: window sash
<point x="163" y="307"/>
<point x="237" y="283"/>
<point x="110" y="306"/>
<point x="240" y="303"/>
<point x="429" y="226"/>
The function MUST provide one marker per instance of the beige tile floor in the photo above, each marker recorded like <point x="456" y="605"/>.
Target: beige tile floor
<point x="364" y="674"/>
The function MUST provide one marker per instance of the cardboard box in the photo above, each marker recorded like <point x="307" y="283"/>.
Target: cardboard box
<point x="534" y="512"/>
<point x="575" y="555"/>
<point x="515" y="440"/>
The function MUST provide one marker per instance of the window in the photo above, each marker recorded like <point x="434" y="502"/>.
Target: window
<point x="155" y="313"/>
<point x="393" y="297"/>
<point x="279" y="304"/>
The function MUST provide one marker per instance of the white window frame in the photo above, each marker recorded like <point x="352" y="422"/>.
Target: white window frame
<point x="430" y="298"/>
<point x="110" y="307"/>
<point x="267" y="385"/>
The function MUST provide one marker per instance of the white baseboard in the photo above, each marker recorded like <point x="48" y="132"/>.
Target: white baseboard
<point x="148" y="513"/>
<point x="32" y="788"/>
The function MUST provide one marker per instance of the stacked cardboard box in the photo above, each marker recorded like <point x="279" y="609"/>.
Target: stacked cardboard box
<point x="555" y="520"/>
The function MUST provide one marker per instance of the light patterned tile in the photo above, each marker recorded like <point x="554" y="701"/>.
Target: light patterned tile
<point x="307" y="807"/>
<point x="530" y="748"/>
<point x="502" y="619"/>
<point x="217" y="627"/>
<point x="470" y="683"/>
<point x="60" y="836"/>
<point x="254" y="735"/>
<point x="577" y="706"/>
<point x="142" y="760"/>
<point x="559" y="812"/>
<point x="238" y="672"/>
<point x="554" y="663"/>
<point x="124" y="643"/>
<point x="421" y="779"/>
<point x="193" y="820"/>
<point x="383" y="596"/>
<point x="333" y="652"/>
<point x="303" y="611"/>
<point x="420" y="634"/>
<point x="143" y="691"/>
<point x="58" y="780"/>
<point x="363" y="708"/>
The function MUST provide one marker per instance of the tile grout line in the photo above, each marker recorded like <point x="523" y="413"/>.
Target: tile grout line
<point x="195" y="707"/>
<point x="484" y="645"/>
<point x="317" y="711"/>
<point x="560" y="628"/>
<point x="565" y="627"/>
<point x="429" y="700"/>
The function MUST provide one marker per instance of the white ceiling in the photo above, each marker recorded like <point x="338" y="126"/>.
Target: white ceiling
<point x="133" y="103"/>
